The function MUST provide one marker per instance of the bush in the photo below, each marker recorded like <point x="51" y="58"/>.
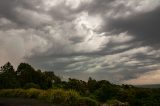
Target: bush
<point x="19" y="93"/>
<point x="56" y="96"/>
<point x="71" y="98"/>
<point x="87" y="102"/>
<point x="13" y="93"/>
<point x="115" y="102"/>
<point x="31" y="85"/>
<point x="6" y="93"/>
<point x="44" y="95"/>
<point x="33" y="93"/>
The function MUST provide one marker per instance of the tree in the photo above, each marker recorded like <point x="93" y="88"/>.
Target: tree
<point x="7" y="68"/>
<point x="52" y="77"/>
<point x="92" y="84"/>
<point x="77" y="85"/>
<point x="8" y="78"/>
<point x="26" y="74"/>
<point x="105" y="91"/>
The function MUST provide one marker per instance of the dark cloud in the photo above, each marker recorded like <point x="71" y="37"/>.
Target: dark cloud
<point x="63" y="12"/>
<point x="143" y="26"/>
<point x="16" y="11"/>
<point x="6" y="8"/>
<point x="100" y="6"/>
<point x="105" y="39"/>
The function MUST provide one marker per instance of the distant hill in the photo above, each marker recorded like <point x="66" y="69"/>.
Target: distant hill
<point x="148" y="86"/>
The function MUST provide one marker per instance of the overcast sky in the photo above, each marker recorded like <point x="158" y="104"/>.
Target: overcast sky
<point x="115" y="40"/>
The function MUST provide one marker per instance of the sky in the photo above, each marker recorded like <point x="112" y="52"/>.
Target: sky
<point x="114" y="40"/>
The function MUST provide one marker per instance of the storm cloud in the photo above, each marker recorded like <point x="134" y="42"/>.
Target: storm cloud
<point x="115" y="40"/>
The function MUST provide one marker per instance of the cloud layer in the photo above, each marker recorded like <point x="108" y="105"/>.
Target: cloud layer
<point x="116" y="40"/>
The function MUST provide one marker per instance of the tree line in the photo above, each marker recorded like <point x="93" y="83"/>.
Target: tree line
<point x="102" y="91"/>
<point x="26" y="76"/>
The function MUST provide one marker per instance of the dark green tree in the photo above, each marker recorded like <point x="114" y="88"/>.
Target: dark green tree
<point x="26" y="74"/>
<point x="8" y="78"/>
<point x="52" y="77"/>
<point x="77" y="85"/>
<point x="92" y="84"/>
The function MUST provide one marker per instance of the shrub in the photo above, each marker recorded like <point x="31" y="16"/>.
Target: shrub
<point x="6" y="93"/>
<point x="19" y="93"/>
<point x="87" y="102"/>
<point x="33" y="93"/>
<point x="115" y="102"/>
<point x="44" y="95"/>
<point x="29" y="93"/>
<point x="57" y="96"/>
<point x="31" y="85"/>
<point x="71" y="98"/>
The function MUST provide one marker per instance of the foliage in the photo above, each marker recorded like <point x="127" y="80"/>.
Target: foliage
<point x="92" y="84"/>
<point x="86" y="101"/>
<point x="31" y="85"/>
<point x="33" y="93"/>
<point x="26" y="77"/>
<point x="8" y="78"/>
<point x="77" y="85"/>
<point x="55" y="96"/>
<point x="71" y="97"/>
<point x="26" y="82"/>
<point x="114" y="102"/>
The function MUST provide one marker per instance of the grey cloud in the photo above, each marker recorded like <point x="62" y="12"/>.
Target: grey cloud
<point x="6" y="8"/>
<point x="144" y="26"/>
<point x="21" y="12"/>
<point x="63" y="12"/>
<point x="64" y="40"/>
<point x="117" y="68"/>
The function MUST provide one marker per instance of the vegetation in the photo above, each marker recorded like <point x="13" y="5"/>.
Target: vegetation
<point x="55" y="96"/>
<point x="26" y="82"/>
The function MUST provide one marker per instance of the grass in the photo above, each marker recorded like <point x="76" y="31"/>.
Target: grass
<point x="54" y="96"/>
